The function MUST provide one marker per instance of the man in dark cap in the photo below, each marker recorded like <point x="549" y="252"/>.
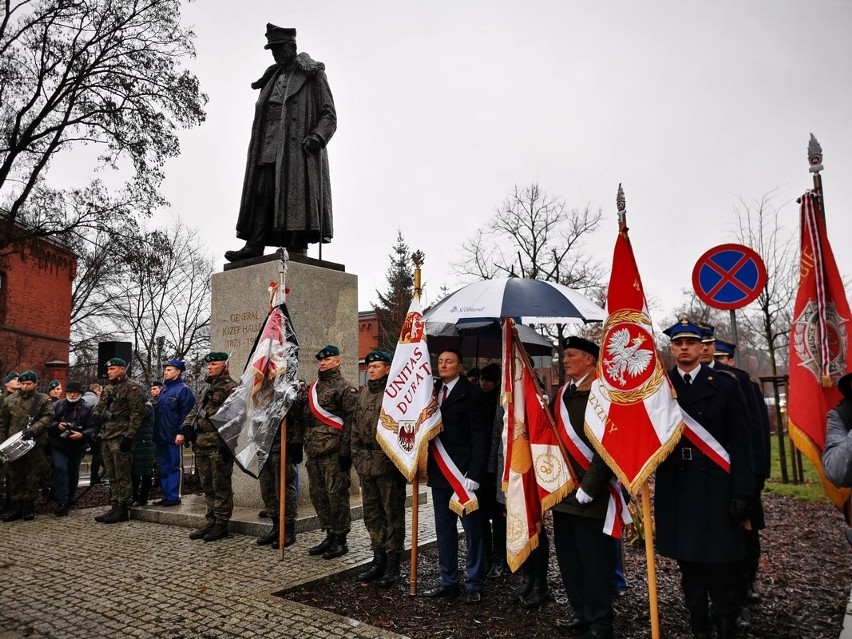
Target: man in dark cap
<point x="119" y="415"/>
<point x="29" y="412"/>
<point x="286" y="198"/>
<point x="54" y="390"/>
<point x="10" y="386"/>
<point x="701" y="508"/>
<point x="156" y="389"/>
<point x="173" y="405"/>
<point x="584" y="551"/>
<point x="213" y="459"/>
<point x="329" y="415"/>
<point x="382" y="485"/>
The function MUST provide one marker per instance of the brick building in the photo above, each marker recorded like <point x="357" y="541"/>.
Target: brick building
<point x="35" y="307"/>
<point x="368" y="339"/>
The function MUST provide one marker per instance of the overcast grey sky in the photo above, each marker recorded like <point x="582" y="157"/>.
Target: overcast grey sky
<point x="444" y="105"/>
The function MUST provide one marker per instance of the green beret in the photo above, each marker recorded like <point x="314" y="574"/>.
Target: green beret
<point x="216" y="356"/>
<point x="10" y="377"/>
<point x="329" y="350"/>
<point x="53" y="384"/>
<point x="116" y="361"/>
<point x="27" y="376"/>
<point x="378" y="355"/>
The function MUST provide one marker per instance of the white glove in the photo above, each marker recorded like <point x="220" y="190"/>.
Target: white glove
<point x="583" y="497"/>
<point x="470" y="485"/>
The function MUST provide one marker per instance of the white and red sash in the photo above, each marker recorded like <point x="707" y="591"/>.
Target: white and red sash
<point x="617" y="513"/>
<point x="322" y="415"/>
<point x="705" y="442"/>
<point x="462" y="502"/>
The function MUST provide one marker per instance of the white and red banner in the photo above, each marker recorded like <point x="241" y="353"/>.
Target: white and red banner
<point x="632" y="418"/>
<point x="536" y="474"/>
<point x="410" y="416"/>
<point x="820" y="351"/>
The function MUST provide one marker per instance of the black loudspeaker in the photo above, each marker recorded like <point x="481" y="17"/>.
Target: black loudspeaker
<point x="108" y="350"/>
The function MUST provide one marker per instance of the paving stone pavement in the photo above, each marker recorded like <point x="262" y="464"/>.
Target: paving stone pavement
<point x="73" y="578"/>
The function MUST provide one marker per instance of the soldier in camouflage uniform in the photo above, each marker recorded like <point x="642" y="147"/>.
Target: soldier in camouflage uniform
<point x="119" y="415"/>
<point x="214" y="462"/>
<point x="382" y="485"/>
<point x="10" y="387"/>
<point x="329" y="414"/>
<point x="270" y="475"/>
<point x="30" y="412"/>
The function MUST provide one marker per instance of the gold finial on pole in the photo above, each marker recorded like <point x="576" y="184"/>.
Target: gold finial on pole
<point x="418" y="257"/>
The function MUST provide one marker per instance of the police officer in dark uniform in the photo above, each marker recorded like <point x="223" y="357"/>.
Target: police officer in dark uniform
<point x="702" y="509"/>
<point x="329" y="414"/>
<point x="382" y="485"/>
<point x="118" y="416"/>
<point x="213" y="459"/>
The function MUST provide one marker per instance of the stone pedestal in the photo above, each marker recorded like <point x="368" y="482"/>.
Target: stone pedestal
<point x="323" y="304"/>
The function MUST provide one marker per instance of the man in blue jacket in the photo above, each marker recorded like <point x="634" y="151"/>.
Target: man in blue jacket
<point x="173" y="405"/>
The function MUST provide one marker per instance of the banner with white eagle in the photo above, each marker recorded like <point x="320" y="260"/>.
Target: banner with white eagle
<point x="410" y="417"/>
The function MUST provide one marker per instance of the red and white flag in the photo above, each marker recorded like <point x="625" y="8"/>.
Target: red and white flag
<point x="536" y="474"/>
<point x="820" y="351"/>
<point x="410" y="416"/>
<point x="632" y="418"/>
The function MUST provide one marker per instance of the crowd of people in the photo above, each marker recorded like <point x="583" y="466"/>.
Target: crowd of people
<point x="706" y="519"/>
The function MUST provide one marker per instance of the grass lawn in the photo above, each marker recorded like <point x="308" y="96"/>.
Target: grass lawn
<point x="810" y="490"/>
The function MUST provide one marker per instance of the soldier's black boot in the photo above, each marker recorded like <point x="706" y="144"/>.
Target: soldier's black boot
<point x="200" y="532"/>
<point x="268" y="538"/>
<point x="322" y="546"/>
<point x="219" y="531"/>
<point x="119" y="514"/>
<point x="338" y="547"/>
<point x="15" y="512"/>
<point x="539" y="594"/>
<point x="391" y="575"/>
<point x="726" y="628"/>
<point x="524" y="590"/>
<point x="28" y="510"/>
<point x="100" y="518"/>
<point x="376" y="568"/>
<point x="289" y="536"/>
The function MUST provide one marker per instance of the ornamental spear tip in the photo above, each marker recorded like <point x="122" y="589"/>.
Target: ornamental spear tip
<point x="814" y="155"/>
<point x="621" y="205"/>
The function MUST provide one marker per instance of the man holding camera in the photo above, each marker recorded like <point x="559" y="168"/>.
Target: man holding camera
<point x="69" y="433"/>
<point x="119" y="413"/>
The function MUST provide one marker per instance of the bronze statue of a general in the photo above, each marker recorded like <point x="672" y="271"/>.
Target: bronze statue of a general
<point x="286" y="198"/>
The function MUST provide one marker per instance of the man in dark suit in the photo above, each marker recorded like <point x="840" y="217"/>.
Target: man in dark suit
<point x="456" y="466"/>
<point x="702" y="509"/>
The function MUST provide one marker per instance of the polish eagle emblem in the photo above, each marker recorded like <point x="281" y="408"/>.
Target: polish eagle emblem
<point x="627" y="357"/>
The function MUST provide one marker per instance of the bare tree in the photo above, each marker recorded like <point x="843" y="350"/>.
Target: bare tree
<point x="535" y="235"/>
<point x="104" y="73"/>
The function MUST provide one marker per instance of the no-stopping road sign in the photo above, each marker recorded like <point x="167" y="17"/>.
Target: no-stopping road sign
<point x="729" y="276"/>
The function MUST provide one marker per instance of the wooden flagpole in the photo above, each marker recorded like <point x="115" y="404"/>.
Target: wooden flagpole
<point x="648" y="526"/>
<point x="282" y="488"/>
<point x="417" y="257"/>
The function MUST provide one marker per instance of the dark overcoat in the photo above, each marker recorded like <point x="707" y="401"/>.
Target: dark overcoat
<point x="466" y="435"/>
<point x="693" y="494"/>
<point x="302" y="182"/>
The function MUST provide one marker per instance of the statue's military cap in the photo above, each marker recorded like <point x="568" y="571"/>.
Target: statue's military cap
<point x="329" y="350"/>
<point x="278" y="35"/>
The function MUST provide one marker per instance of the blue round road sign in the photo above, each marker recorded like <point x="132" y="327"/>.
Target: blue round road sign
<point x="729" y="276"/>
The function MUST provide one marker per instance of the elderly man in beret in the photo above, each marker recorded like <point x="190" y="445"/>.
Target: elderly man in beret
<point x="329" y="415"/>
<point x="382" y="485"/>
<point x="286" y="198"/>
<point x="119" y="415"/>
<point x="173" y="405"/>
<point x="70" y="431"/>
<point x="30" y="413"/>
<point x="213" y="459"/>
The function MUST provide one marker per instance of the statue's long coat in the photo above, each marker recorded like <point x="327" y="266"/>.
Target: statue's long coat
<point x="302" y="183"/>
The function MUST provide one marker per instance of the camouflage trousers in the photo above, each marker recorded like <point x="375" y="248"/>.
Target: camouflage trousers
<point x="117" y="465"/>
<point x="23" y="476"/>
<point x="270" y="485"/>
<point x="214" y="472"/>
<point x="329" y="489"/>
<point x="384" y="510"/>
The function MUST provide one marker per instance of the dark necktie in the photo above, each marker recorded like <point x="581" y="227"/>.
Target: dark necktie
<point x="444" y="395"/>
<point x="572" y="388"/>
<point x="687" y="379"/>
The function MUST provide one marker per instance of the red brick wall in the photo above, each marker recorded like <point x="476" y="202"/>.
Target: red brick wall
<point x="35" y="307"/>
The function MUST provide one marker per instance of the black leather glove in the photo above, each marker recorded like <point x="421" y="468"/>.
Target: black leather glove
<point x="225" y="452"/>
<point x="295" y="454"/>
<point x="126" y="444"/>
<point x="740" y="508"/>
<point x="27" y="435"/>
<point x="345" y="463"/>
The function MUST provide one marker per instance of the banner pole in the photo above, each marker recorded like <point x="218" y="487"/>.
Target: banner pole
<point x="648" y="527"/>
<point x="282" y="488"/>
<point x="418" y="257"/>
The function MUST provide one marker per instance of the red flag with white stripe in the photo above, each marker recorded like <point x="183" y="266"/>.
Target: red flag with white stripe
<point x="820" y="350"/>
